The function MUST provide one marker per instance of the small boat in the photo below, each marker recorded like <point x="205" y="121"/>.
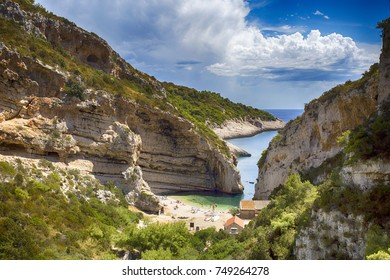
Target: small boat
<point x="207" y="219"/>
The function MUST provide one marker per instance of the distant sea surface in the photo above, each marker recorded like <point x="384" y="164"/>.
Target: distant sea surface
<point x="255" y="145"/>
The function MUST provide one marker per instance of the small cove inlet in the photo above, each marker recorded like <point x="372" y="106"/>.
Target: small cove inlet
<point x="246" y="165"/>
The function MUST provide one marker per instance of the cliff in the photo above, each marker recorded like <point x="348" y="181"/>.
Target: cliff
<point x="67" y="97"/>
<point x="310" y="141"/>
<point x="340" y="144"/>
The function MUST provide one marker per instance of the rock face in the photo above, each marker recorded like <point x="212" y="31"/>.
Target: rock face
<point x="311" y="140"/>
<point x="331" y="235"/>
<point x="384" y="64"/>
<point x="365" y="175"/>
<point x="174" y="157"/>
<point x="141" y="148"/>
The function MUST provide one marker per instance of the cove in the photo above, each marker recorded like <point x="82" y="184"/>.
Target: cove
<point x="247" y="166"/>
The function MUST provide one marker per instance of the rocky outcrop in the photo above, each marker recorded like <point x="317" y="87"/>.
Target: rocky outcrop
<point x="245" y="127"/>
<point x="384" y="64"/>
<point x="365" y="175"/>
<point x="310" y="140"/>
<point x="331" y="235"/>
<point x="87" y="47"/>
<point x="139" y="147"/>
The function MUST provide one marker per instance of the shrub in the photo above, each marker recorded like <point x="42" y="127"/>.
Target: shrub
<point x="74" y="88"/>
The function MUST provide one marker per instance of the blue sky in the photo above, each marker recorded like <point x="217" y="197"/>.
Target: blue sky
<point x="264" y="53"/>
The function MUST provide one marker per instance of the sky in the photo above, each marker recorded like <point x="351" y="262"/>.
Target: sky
<point x="264" y="53"/>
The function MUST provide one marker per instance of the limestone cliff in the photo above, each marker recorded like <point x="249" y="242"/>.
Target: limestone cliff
<point x="57" y="103"/>
<point x="310" y="140"/>
<point x="332" y="235"/>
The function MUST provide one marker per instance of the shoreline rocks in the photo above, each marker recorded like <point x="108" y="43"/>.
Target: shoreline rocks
<point x="240" y="128"/>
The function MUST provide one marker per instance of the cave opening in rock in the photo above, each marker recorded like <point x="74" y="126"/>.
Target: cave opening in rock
<point x="92" y="58"/>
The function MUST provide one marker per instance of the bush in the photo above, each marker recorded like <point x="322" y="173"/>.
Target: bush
<point x="74" y="88"/>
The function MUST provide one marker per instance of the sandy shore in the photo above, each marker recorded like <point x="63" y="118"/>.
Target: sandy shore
<point x="176" y="210"/>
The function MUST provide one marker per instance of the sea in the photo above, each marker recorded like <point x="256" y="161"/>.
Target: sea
<point x="247" y="166"/>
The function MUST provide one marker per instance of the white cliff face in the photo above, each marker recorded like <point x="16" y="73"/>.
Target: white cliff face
<point x="331" y="235"/>
<point x="311" y="139"/>
<point x="365" y="175"/>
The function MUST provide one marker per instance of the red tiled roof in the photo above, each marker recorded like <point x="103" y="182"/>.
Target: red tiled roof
<point x="235" y="220"/>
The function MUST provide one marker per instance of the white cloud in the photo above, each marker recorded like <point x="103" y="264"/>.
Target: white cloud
<point x="318" y="13"/>
<point x="214" y="33"/>
<point x="285" y="29"/>
<point x="250" y="53"/>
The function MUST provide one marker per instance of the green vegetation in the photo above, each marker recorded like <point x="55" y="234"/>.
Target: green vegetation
<point x="276" y="226"/>
<point x="173" y="241"/>
<point x="372" y="139"/>
<point x="38" y="221"/>
<point x="373" y="205"/>
<point x="211" y="107"/>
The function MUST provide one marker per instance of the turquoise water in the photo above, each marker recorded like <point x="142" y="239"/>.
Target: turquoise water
<point x="255" y="145"/>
